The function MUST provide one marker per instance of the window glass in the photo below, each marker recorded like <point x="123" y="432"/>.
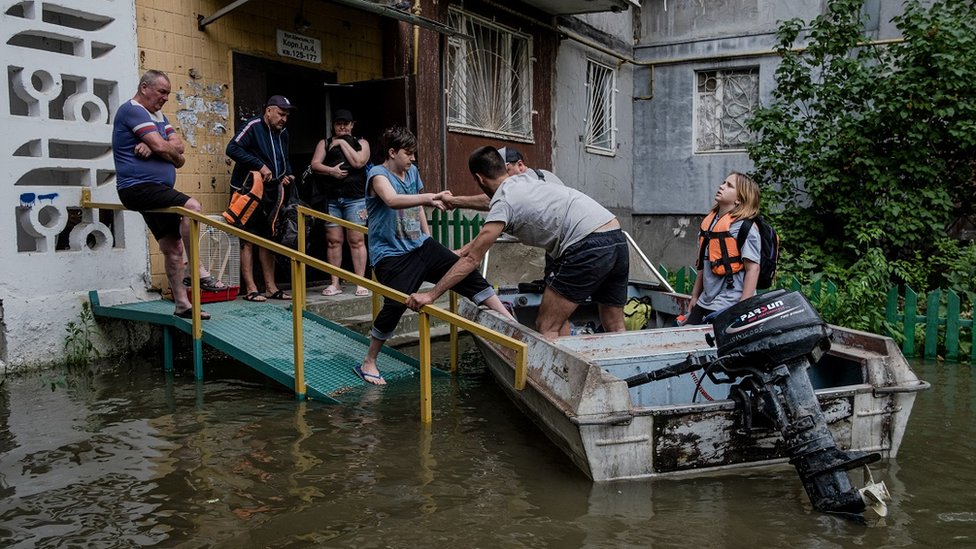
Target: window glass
<point x="601" y="83"/>
<point x="489" y="79"/>
<point x="726" y="100"/>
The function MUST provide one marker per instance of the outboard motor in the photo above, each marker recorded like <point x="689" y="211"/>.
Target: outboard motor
<point x="765" y="346"/>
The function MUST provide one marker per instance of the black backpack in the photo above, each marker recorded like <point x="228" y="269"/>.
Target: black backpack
<point x="768" y="251"/>
<point x="284" y="223"/>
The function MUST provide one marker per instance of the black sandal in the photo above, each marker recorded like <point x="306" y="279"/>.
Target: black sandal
<point x="188" y="314"/>
<point x="280" y="294"/>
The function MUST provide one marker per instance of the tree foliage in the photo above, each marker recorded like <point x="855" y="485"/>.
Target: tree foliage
<point x="867" y="151"/>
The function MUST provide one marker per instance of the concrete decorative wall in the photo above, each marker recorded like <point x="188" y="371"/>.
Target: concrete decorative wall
<point x="68" y="65"/>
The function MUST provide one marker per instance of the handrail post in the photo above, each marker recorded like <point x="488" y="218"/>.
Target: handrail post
<point x="520" y="372"/>
<point x="194" y="274"/>
<point x="426" y="416"/>
<point x="454" y="335"/>
<point x="301" y="264"/>
<point x="167" y="349"/>
<point x="298" y="336"/>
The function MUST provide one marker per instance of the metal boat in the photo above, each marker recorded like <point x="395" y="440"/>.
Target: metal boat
<point x="692" y="423"/>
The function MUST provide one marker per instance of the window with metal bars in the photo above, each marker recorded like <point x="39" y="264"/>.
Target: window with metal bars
<point x="601" y="90"/>
<point x="489" y="79"/>
<point x="726" y="99"/>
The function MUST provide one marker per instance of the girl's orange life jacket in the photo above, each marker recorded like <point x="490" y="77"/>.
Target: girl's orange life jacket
<point x="719" y="244"/>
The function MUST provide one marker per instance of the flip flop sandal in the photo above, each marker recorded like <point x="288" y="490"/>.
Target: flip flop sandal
<point x="367" y="377"/>
<point x="331" y="290"/>
<point x="362" y="292"/>
<point x="255" y="296"/>
<point x="211" y="284"/>
<point x="188" y="314"/>
<point x="280" y="294"/>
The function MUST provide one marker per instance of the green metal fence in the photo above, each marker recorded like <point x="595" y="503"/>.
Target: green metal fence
<point x="940" y="316"/>
<point x="939" y="311"/>
<point x="453" y="229"/>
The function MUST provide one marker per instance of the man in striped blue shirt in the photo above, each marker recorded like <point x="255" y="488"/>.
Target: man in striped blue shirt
<point x="147" y="152"/>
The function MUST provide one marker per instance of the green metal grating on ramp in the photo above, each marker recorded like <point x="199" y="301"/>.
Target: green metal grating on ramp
<point x="260" y="336"/>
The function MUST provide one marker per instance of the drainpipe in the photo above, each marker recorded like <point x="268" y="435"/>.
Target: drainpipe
<point x="442" y="103"/>
<point x="416" y="37"/>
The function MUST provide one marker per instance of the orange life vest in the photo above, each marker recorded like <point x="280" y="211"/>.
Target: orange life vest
<point x="721" y="247"/>
<point x="243" y="203"/>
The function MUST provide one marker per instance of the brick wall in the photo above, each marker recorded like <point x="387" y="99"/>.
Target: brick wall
<point x="199" y="66"/>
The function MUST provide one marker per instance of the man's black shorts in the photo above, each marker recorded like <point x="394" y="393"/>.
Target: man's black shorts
<point x="597" y="266"/>
<point x="152" y="196"/>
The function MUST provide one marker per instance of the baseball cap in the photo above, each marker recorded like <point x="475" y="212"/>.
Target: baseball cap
<point x="509" y="154"/>
<point x="342" y="114"/>
<point x="281" y="102"/>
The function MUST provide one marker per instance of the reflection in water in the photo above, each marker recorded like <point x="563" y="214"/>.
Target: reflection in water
<point x="134" y="457"/>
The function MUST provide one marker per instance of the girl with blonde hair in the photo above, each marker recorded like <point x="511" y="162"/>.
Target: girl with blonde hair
<point x="726" y="274"/>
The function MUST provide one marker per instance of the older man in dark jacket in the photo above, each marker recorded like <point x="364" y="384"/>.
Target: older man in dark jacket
<point x="262" y="146"/>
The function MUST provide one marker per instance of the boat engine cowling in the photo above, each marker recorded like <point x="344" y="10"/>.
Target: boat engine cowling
<point x="774" y="327"/>
<point x="765" y="346"/>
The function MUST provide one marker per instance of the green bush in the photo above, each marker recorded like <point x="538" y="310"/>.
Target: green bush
<point x="867" y="152"/>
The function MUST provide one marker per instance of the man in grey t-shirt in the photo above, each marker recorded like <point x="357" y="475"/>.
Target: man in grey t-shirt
<point x="589" y="253"/>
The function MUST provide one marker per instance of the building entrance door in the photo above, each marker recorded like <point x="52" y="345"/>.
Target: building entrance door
<point x="375" y="104"/>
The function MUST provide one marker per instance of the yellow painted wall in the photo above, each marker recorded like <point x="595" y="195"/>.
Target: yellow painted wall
<point x="198" y="64"/>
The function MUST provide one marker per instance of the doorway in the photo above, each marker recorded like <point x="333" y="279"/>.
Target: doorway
<point x="256" y="79"/>
<point x="376" y="105"/>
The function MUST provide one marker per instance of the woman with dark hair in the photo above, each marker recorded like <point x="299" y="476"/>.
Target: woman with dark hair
<point x="341" y="161"/>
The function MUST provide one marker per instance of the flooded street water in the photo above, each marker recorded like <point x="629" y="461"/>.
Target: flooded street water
<point x="131" y="457"/>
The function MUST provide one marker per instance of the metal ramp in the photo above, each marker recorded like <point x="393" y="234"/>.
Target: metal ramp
<point x="260" y="336"/>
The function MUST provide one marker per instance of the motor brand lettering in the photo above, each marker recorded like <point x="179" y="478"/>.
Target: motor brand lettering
<point x="764" y="310"/>
<point x="771" y="314"/>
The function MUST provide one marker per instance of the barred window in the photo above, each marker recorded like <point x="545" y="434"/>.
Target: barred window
<point x="489" y="79"/>
<point x="601" y="84"/>
<point x="726" y="101"/>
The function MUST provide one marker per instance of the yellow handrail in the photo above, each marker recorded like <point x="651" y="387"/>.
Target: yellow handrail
<point x="299" y="261"/>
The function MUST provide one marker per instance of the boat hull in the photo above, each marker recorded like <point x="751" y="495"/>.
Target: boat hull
<point x="577" y="395"/>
